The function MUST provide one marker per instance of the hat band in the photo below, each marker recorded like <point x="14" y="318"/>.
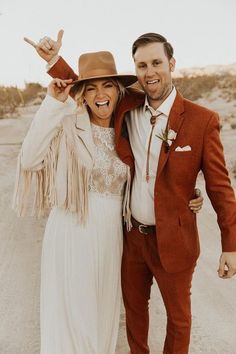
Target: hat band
<point x="97" y="73"/>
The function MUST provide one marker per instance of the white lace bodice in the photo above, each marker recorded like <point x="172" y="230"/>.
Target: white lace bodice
<point x="109" y="173"/>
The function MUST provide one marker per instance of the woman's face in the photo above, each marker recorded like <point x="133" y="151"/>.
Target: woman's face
<point x="101" y="96"/>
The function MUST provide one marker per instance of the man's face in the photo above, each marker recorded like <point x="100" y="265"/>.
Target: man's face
<point x="153" y="70"/>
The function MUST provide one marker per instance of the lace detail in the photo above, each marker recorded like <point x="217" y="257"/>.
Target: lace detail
<point x="109" y="173"/>
<point x="104" y="135"/>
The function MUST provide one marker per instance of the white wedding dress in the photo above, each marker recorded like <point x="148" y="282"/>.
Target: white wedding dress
<point x="80" y="272"/>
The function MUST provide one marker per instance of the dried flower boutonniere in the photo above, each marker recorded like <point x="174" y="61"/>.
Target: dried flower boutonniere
<point x="167" y="136"/>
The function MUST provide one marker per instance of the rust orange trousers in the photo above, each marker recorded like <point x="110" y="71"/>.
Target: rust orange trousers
<point x="140" y="264"/>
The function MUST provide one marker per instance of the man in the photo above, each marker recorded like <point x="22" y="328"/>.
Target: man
<point x="169" y="140"/>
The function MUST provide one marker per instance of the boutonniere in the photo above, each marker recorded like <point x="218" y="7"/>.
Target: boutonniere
<point x="167" y="136"/>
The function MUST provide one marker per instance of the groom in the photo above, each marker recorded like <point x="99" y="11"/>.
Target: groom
<point x="169" y="140"/>
<point x="170" y="253"/>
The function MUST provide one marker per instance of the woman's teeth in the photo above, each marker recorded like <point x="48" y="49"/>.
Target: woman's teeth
<point x="153" y="82"/>
<point x="103" y="103"/>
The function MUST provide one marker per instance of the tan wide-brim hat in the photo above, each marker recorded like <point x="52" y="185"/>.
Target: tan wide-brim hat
<point x="99" y="65"/>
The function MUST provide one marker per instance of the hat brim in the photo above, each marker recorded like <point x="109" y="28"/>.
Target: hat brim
<point x="126" y="80"/>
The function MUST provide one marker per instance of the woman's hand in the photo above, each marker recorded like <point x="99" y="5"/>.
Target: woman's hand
<point x="47" y="48"/>
<point x="59" y="89"/>
<point x="196" y="204"/>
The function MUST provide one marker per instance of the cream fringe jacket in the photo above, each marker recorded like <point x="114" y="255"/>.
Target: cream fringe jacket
<point x="56" y="161"/>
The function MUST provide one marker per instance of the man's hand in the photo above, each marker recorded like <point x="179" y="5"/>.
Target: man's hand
<point x="196" y="204"/>
<point x="47" y="48"/>
<point x="227" y="266"/>
<point x="59" y="89"/>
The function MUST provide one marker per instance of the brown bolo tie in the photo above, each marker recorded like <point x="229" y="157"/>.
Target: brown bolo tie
<point x="153" y="121"/>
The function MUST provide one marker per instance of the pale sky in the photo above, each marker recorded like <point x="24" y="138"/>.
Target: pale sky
<point x="202" y="32"/>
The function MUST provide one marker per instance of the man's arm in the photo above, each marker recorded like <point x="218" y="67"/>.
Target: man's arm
<point x="62" y="70"/>
<point x="221" y="194"/>
<point x="48" y="49"/>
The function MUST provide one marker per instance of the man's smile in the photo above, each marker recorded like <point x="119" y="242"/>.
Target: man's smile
<point x="151" y="82"/>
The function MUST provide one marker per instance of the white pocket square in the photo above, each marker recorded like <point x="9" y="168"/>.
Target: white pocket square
<point x="184" y="148"/>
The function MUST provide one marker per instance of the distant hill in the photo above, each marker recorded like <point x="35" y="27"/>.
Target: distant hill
<point x="206" y="70"/>
<point x="195" y="87"/>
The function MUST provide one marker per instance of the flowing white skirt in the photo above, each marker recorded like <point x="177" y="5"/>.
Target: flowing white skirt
<point x="80" y="279"/>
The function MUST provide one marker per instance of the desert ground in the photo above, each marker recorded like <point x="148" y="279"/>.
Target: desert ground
<point x="213" y="299"/>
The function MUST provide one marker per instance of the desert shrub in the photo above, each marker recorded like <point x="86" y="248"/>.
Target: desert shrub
<point x="228" y="86"/>
<point x="31" y="91"/>
<point x="11" y="97"/>
<point x="195" y="87"/>
<point x="233" y="125"/>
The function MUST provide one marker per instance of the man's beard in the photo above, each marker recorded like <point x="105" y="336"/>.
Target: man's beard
<point x="166" y="90"/>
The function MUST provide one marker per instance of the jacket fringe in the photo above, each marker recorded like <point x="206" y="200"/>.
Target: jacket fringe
<point x="77" y="187"/>
<point x="43" y="183"/>
<point x="126" y="202"/>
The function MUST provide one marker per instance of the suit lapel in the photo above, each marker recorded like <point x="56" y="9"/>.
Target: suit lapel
<point x="84" y="132"/>
<point x="174" y="122"/>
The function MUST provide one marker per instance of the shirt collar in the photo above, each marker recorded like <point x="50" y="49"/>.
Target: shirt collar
<point x="166" y="105"/>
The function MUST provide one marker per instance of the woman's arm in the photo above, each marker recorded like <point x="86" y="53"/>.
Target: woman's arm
<point x="37" y="161"/>
<point x="46" y="125"/>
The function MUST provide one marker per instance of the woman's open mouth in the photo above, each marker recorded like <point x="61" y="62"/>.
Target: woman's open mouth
<point x="102" y="103"/>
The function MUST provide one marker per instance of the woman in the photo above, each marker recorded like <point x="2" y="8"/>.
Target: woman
<point x="70" y="155"/>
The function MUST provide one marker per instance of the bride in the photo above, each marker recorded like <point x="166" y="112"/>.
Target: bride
<point x="70" y="155"/>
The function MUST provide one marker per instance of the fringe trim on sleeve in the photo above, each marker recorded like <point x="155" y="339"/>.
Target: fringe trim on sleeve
<point x="43" y="183"/>
<point x="126" y="202"/>
<point x="77" y="187"/>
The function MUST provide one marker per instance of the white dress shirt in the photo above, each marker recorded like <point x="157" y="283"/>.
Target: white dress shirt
<point x="139" y="128"/>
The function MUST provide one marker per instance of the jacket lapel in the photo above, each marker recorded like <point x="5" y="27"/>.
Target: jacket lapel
<point x="174" y="122"/>
<point x="84" y="132"/>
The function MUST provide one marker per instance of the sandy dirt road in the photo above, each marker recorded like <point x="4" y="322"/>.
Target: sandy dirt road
<point x="214" y="300"/>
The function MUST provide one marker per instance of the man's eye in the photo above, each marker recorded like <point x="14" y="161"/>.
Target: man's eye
<point x="141" y="66"/>
<point x="108" y="85"/>
<point x="89" y="89"/>
<point x="156" y="63"/>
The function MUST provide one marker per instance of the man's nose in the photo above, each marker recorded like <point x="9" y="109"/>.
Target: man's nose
<point x="150" y="71"/>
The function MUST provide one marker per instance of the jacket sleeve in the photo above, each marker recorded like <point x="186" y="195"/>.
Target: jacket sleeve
<point x="218" y="185"/>
<point x="37" y="160"/>
<point x="62" y="70"/>
<point x="46" y="125"/>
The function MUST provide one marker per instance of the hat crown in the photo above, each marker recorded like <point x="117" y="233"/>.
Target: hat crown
<point x="97" y="64"/>
<point x="100" y="65"/>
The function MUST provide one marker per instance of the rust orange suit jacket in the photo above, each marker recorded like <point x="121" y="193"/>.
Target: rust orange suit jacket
<point x="198" y="127"/>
